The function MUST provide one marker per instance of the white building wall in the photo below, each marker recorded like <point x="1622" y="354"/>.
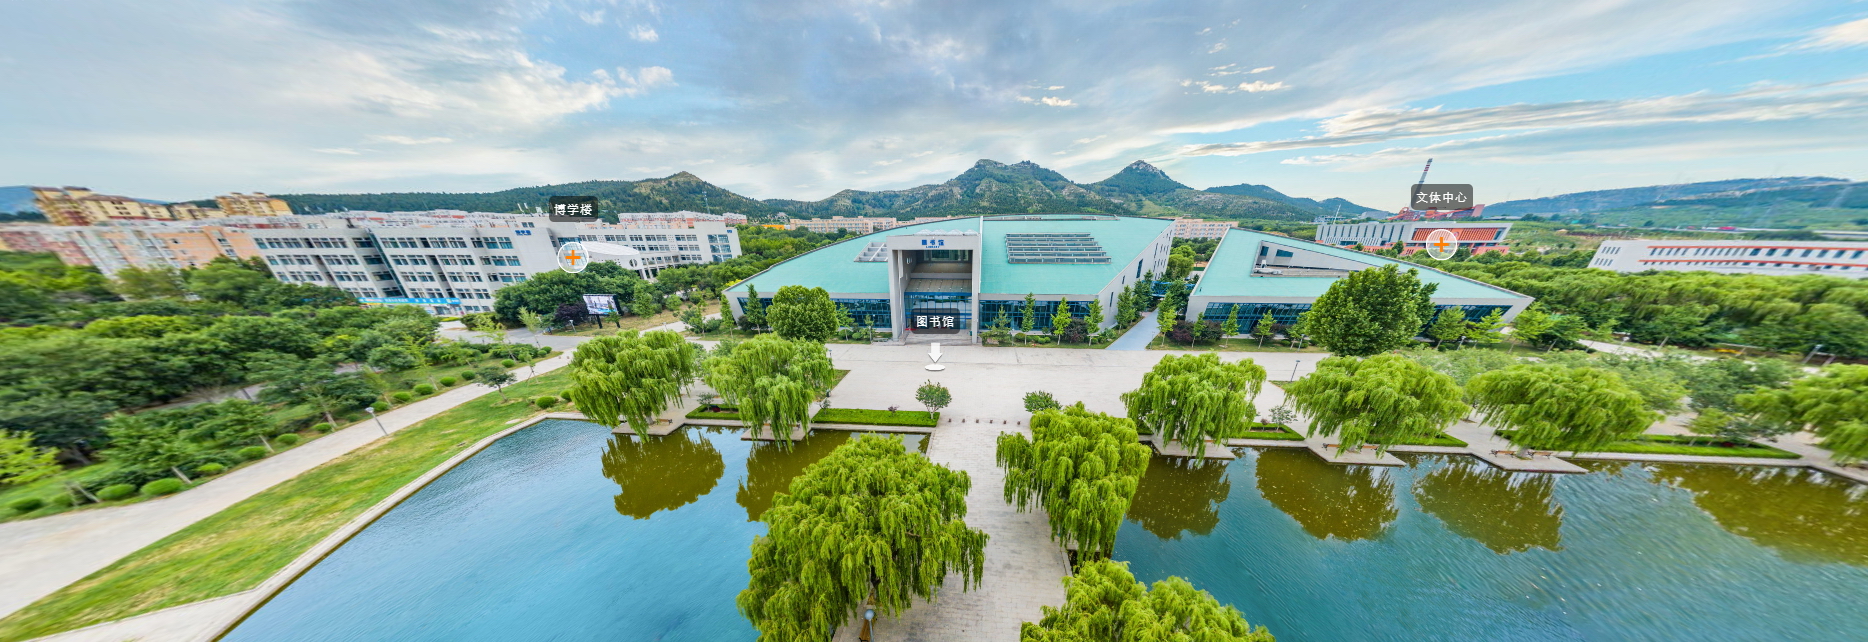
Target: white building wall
<point x="1782" y="258"/>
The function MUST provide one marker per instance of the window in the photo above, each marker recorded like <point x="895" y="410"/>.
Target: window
<point x="686" y="237"/>
<point x="493" y="242"/>
<point x="366" y="242"/>
<point x="500" y="260"/>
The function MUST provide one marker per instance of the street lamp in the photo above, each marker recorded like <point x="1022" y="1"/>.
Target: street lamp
<point x="379" y="420"/>
<point x="869" y="615"/>
<point x="1300" y="363"/>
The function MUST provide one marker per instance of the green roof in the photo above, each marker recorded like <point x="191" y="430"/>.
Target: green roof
<point x="1230" y="272"/>
<point x="835" y="269"/>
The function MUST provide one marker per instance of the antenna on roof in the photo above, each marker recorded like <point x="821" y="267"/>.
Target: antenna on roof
<point x="1423" y="171"/>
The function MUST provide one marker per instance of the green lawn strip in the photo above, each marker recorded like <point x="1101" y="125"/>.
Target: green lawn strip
<point x="726" y="412"/>
<point x="1258" y="431"/>
<point x="1685" y="445"/>
<point x="858" y="416"/>
<point x="838" y="378"/>
<point x="1441" y="439"/>
<point x="236" y="549"/>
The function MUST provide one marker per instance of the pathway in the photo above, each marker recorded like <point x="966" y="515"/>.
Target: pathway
<point x="1138" y="337"/>
<point x="39" y="556"/>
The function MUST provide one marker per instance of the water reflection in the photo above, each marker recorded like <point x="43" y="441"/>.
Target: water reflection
<point x="660" y="473"/>
<point x="772" y="465"/>
<point x="1177" y="494"/>
<point x="1327" y="500"/>
<point x="1505" y="511"/>
<point x="1805" y="515"/>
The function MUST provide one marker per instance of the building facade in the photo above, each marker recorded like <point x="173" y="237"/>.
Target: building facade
<point x="116" y="245"/>
<point x="255" y="204"/>
<point x="857" y="224"/>
<point x="1478" y="237"/>
<point x="943" y="280"/>
<point x="1833" y="258"/>
<point x="452" y="264"/>
<point x="1193" y="228"/>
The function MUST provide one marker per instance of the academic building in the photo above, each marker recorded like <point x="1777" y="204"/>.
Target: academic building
<point x="1412" y="235"/>
<point x="1780" y="258"/>
<point x="942" y="281"/>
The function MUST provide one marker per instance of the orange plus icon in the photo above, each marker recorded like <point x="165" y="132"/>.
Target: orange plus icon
<point x="1441" y="244"/>
<point x="573" y="258"/>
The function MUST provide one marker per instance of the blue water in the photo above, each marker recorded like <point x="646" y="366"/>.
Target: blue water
<point x="558" y="532"/>
<point x="1449" y="549"/>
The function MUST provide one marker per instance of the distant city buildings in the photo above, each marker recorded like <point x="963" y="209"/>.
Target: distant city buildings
<point x="1412" y="235"/>
<point x="1834" y="258"/>
<point x="79" y="206"/>
<point x="255" y="204"/>
<point x="857" y="224"/>
<point x="116" y="245"/>
<point x="1193" y="228"/>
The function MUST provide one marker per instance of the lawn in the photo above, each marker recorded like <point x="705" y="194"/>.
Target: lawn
<point x="1161" y="342"/>
<point x="863" y="417"/>
<point x="611" y="326"/>
<point x="726" y="412"/>
<point x="1688" y="445"/>
<point x="238" y="548"/>
<point x="1272" y="431"/>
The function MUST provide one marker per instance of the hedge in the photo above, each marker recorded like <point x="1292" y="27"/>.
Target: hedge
<point x="424" y="389"/>
<point x="402" y="396"/>
<point x="545" y="402"/>
<point x="165" y="486"/>
<point x="248" y="453"/>
<point x="448" y="382"/>
<point x="116" y="492"/>
<point x="468" y="375"/>
<point x="27" y="504"/>
<point x="324" y="426"/>
<point x="210" y="469"/>
<point x="859" y="416"/>
<point x="288" y="439"/>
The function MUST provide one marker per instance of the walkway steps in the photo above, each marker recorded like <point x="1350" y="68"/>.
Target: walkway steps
<point x="1179" y="449"/>
<point x="1356" y="457"/>
<point x="1549" y="464"/>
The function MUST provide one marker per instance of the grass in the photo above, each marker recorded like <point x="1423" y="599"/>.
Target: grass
<point x="1441" y="439"/>
<point x="726" y="412"/>
<point x="1161" y="342"/>
<point x="1688" y="445"/>
<point x="863" y="417"/>
<point x="236" y="549"/>
<point x="1273" y="431"/>
<point x="612" y="326"/>
<point x="838" y="378"/>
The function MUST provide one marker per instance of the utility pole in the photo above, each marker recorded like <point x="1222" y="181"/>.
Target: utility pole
<point x="1806" y="358"/>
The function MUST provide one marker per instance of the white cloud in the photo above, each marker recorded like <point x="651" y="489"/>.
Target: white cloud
<point x="1261" y="70"/>
<point x="1217" y="47"/>
<point x="644" y="79"/>
<point x="1248" y="87"/>
<point x="1258" y="86"/>
<point x="592" y="18"/>
<point x="411" y="140"/>
<point x="1051" y="101"/>
<point x="1092" y="139"/>
<point x="1847" y="34"/>
<point x="886" y="163"/>
<point x="644" y="33"/>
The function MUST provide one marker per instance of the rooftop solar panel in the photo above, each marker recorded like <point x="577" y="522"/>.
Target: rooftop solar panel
<point x="1070" y="247"/>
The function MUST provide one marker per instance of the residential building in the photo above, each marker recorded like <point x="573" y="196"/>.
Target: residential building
<point x="1477" y="237"/>
<point x="945" y="279"/>
<point x="453" y="263"/>
<point x="1193" y="228"/>
<point x="1259" y="273"/>
<point x="857" y="224"/>
<point x="1833" y="258"/>
<point x="81" y="206"/>
<point x="115" y="245"/>
<point x="43" y="238"/>
<point x="255" y="204"/>
<point x="682" y="219"/>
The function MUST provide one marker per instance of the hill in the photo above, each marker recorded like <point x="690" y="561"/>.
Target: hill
<point x="1604" y="200"/>
<point x="1325" y="206"/>
<point x="17" y="198"/>
<point x="682" y="191"/>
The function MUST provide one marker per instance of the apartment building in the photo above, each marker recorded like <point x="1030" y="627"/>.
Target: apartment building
<point x="72" y="206"/>
<point x="1193" y="228"/>
<point x="255" y="204"/>
<point x="857" y="224"/>
<point x="115" y="245"/>
<point x="452" y="263"/>
<point x="672" y="220"/>
<point x="1833" y="258"/>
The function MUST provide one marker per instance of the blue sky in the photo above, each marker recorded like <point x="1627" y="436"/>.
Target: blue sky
<point x="778" y="99"/>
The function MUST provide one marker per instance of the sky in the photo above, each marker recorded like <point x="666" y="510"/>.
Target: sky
<point x="184" y="99"/>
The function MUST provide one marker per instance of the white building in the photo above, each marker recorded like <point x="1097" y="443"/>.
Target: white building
<point x="453" y="262"/>
<point x="1371" y="234"/>
<point x="1193" y="228"/>
<point x="1834" y="258"/>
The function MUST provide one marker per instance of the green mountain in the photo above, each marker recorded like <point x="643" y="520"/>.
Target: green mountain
<point x="1739" y="192"/>
<point x="1326" y="206"/>
<point x="989" y="187"/>
<point x="682" y="191"/>
<point x="1138" y="178"/>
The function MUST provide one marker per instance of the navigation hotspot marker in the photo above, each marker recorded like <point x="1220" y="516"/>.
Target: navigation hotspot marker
<point x="573" y="258"/>
<point x="1441" y="244"/>
<point x="934" y="354"/>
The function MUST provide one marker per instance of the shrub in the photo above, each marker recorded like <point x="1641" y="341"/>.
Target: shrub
<point x="448" y="382"/>
<point x="60" y="501"/>
<point x="467" y="375"/>
<point x="507" y="363"/>
<point x="119" y="491"/>
<point x="27" y="505"/>
<point x="380" y="406"/>
<point x="402" y="396"/>
<point x="248" y="453"/>
<point x="546" y="401"/>
<point x="565" y="395"/>
<point x="324" y="426"/>
<point x="166" y="485"/>
<point x="210" y="469"/>
<point x="424" y="389"/>
<point x="1042" y="340"/>
<point x="287" y="439"/>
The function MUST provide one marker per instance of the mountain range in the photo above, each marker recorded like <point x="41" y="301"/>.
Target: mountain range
<point x="1819" y="191"/>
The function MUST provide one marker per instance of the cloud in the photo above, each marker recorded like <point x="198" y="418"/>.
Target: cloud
<point x="1051" y="101"/>
<point x="1847" y="34"/>
<point x="1845" y="99"/>
<point x="644" y="33"/>
<point x="592" y="18"/>
<point x="1258" y="86"/>
<point x="338" y="150"/>
<point x="1260" y="70"/>
<point x="411" y="140"/>
<point x="1216" y="48"/>
<point x="1253" y="87"/>
<point x="1092" y="139"/>
<point x="642" y="80"/>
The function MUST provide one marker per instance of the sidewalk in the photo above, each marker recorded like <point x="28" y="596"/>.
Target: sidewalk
<point x="40" y="556"/>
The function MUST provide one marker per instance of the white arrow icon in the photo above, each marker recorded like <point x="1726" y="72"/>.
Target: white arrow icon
<point x="934" y="354"/>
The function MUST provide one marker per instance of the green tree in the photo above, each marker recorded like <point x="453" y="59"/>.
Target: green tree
<point x="1192" y="398"/>
<point x="160" y="282"/>
<point x="631" y="377"/>
<point x="1231" y="326"/>
<point x="226" y="281"/>
<point x="1488" y="329"/>
<point x="1717" y="383"/>
<point x="499" y="378"/>
<point x="752" y="314"/>
<point x="1180" y="263"/>
<point x="869" y="523"/>
<point x="1000" y="330"/>
<point x="1095" y="316"/>
<point x="1385" y="399"/>
<point x="1299" y="333"/>
<point x="1561" y="408"/>
<point x="1532" y="324"/>
<point x="804" y="313"/>
<point x="392" y="358"/>
<point x="1833" y="404"/>
<point x="1104" y="602"/>
<point x="144" y="441"/>
<point x="1267" y="327"/>
<point x="1369" y="312"/>
<point x="21" y="462"/>
<point x="934" y="396"/>
<point x="546" y="292"/>
<point x="1061" y="319"/>
<point x="772" y="380"/>
<point x="1028" y="318"/>
<point x="533" y="321"/>
<point x="1450" y="325"/>
<point x="1686" y="322"/>
<point x="69" y="421"/>
<point x="235" y="421"/>
<point x="291" y="380"/>
<point x="1126" y="313"/>
<point x="1082" y="467"/>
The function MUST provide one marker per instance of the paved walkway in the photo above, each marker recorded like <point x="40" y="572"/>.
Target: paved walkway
<point x="1137" y="337"/>
<point x="39" y="556"/>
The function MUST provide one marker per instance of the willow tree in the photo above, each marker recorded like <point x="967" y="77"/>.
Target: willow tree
<point x="1190" y="398"/>
<point x="1385" y="399"/>
<point x="772" y="381"/>
<point x="1082" y="467"/>
<point x="1834" y="405"/>
<point x="1559" y="407"/>
<point x="869" y="522"/>
<point x="1104" y="602"/>
<point x="631" y="377"/>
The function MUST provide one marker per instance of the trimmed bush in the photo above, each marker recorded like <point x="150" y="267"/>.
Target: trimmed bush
<point x="60" y="501"/>
<point x="26" y="505"/>
<point x="565" y="395"/>
<point x="424" y="389"/>
<point x="1043" y="340"/>
<point x="402" y="396"/>
<point x="119" y="491"/>
<point x="448" y="382"/>
<point x="248" y="453"/>
<point x="546" y="402"/>
<point x="165" y="486"/>
<point x="507" y="363"/>
<point x="210" y="469"/>
<point x="877" y="417"/>
<point x="287" y="439"/>
<point x="380" y="406"/>
<point x="323" y="427"/>
<point x="468" y="375"/>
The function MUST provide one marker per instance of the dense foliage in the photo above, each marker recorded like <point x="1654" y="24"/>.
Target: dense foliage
<point x="1561" y="408"/>
<point x="869" y="522"/>
<point x="772" y="380"/>
<point x="1371" y="311"/>
<point x="1103" y="602"/>
<point x="1082" y="467"/>
<point x="631" y="377"/>
<point x="1192" y="398"/>
<point x="798" y="312"/>
<point x="1834" y="405"/>
<point x="1382" y="400"/>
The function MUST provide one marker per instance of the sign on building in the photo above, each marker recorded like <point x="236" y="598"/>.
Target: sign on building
<point x="1440" y="196"/>
<point x="573" y="209"/>
<point x="936" y="321"/>
<point x="600" y="303"/>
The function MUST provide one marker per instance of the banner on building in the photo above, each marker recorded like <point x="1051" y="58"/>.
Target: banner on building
<point x="600" y="303"/>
